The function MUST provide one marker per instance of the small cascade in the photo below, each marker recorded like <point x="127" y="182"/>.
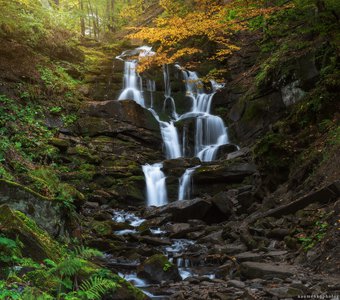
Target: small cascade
<point x="170" y="140"/>
<point x="210" y="135"/>
<point x="155" y="184"/>
<point x="151" y="88"/>
<point x="210" y="130"/>
<point x="185" y="184"/>
<point x="169" y="101"/>
<point x="132" y="84"/>
<point x="170" y="137"/>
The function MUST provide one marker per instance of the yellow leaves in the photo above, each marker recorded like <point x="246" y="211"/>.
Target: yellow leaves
<point x="190" y="26"/>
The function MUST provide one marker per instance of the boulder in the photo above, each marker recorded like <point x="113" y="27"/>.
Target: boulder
<point x="224" y="150"/>
<point x="48" y="213"/>
<point x="182" y="211"/>
<point x="154" y="241"/>
<point x="179" y="230"/>
<point x="176" y="167"/>
<point x="223" y="202"/>
<point x="252" y="270"/>
<point x="125" y="291"/>
<point x="127" y="111"/>
<point x="285" y="292"/>
<point x="222" y="173"/>
<point x="37" y="244"/>
<point x="249" y="256"/>
<point x="157" y="268"/>
<point x="239" y="153"/>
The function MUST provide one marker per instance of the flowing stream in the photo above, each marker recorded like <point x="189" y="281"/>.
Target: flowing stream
<point x="210" y="131"/>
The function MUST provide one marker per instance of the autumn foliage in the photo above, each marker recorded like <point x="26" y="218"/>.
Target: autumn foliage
<point x="187" y="27"/>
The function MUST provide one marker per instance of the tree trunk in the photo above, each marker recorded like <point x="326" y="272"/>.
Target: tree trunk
<point x="82" y="20"/>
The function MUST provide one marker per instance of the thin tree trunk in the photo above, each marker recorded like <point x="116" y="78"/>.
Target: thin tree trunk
<point x="94" y="21"/>
<point x="82" y="20"/>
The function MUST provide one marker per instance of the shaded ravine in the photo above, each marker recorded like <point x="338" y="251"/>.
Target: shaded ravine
<point x="210" y="133"/>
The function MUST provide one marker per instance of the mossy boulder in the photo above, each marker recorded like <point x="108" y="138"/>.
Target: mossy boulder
<point x="103" y="228"/>
<point x="48" y="213"/>
<point x="38" y="245"/>
<point x="126" y="291"/>
<point x="61" y="144"/>
<point x="157" y="268"/>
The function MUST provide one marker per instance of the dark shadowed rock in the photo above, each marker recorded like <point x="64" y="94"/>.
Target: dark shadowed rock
<point x="177" y="167"/>
<point x="223" y="202"/>
<point x="182" y="211"/>
<point x="157" y="268"/>
<point x="178" y="230"/>
<point x="284" y="292"/>
<point x="224" y="150"/>
<point x="223" y="173"/>
<point x="253" y="270"/>
<point x="125" y="111"/>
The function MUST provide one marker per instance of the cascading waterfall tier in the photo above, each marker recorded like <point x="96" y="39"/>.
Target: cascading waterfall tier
<point x="155" y="184"/>
<point x="210" y="131"/>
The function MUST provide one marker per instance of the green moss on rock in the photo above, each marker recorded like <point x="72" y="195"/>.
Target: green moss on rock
<point x="38" y="245"/>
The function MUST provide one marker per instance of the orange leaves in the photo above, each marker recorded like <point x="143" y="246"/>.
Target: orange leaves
<point x="189" y="26"/>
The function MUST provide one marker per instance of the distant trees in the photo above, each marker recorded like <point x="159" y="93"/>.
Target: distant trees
<point x="93" y="18"/>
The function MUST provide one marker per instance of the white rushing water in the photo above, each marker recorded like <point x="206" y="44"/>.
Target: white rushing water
<point x="210" y="131"/>
<point x="185" y="184"/>
<point x="132" y="84"/>
<point x="155" y="185"/>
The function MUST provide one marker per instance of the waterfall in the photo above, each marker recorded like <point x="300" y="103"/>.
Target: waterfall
<point x="168" y="100"/>
<point x="155" y="184"/>
<point x="210" y="135"/>
<point x="185" y="184"/>
<point x="210" y="131"/>
<point x="151" y="88"/>
<point x="170" y="137"/>
<point x="132" y="84"/>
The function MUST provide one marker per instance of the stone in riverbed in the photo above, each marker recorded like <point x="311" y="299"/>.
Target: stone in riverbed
<point x="254" y="270"/>
<point x="237" y="284"/>
<point x="249" y="256"/>
<point x="182" y="211"/>
<point x="157" y="268"/>
<point x="155" y="241"/>
<point x="180" y="230"/>
<point x="284" y="292"/>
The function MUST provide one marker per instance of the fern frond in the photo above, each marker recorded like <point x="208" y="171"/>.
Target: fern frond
<point x="87" y="253"/>
<point x="50" y="263"/>
<point x="70" y="266"/>
<point x="96" y="287"/>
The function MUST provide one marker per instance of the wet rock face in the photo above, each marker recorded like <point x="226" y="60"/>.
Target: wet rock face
<point x="106" y="148"/>
<point x="157" y="269"/>
<point x="113" y="117"/>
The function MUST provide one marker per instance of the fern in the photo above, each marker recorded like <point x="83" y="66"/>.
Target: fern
<point x="96" y="287"/>
<point x="68" y="267"/>
<point x="87" y="253"/>
<point x="50" y="263"/>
